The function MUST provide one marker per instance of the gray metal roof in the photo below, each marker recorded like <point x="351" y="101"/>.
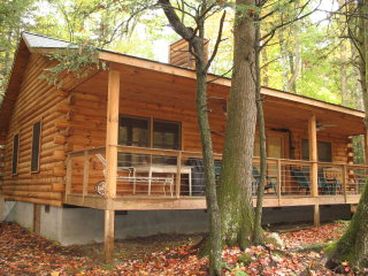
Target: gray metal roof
<point x="40" y="41"/>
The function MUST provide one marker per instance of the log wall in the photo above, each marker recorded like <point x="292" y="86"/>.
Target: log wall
<point x="77" y="120"/>
<point x="173" y="102"/>
<point x="36" y="100"/>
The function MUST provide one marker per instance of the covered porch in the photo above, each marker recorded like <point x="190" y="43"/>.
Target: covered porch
<point x="134" y="144"/>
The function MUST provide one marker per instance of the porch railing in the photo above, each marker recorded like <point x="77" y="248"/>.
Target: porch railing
<point x="147" y="172"/>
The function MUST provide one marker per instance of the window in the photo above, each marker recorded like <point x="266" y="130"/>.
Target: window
<point x="324" y="151"/>
<point x="134" y="132"/>
<point x="166" y="135"/>
<point x="36" y="145"/>
<point x="275" y="145"/>
<point x="145" y="132"/>
<point x="15" y="154"/>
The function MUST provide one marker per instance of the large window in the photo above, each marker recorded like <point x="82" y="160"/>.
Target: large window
<point x="324" y="151"/>
<point x="146" y="132"/>
<point x="166" y="135"/>
<point x="134" y="131"/>
<point x="36" y="145"/>
<point x="15" y="154"/>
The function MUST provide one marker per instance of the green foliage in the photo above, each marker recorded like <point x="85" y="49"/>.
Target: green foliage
<point x="14" y="17"/>
<point x="245" y="258"/>
<point x="240" y="273"/>
<point x="330" y="249"/>
<point x="126" y="26"/>
<point x="73" y="60"/>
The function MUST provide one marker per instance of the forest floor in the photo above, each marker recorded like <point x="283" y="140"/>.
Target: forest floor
<point x="25" y="253"/>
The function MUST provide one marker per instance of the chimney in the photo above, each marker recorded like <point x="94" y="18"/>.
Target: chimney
<point x="180" y="55"/>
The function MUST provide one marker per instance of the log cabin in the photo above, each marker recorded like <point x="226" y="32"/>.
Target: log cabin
<point x="78" y="159"/>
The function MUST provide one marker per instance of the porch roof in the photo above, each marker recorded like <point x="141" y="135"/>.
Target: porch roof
<point x="282" y="107"/>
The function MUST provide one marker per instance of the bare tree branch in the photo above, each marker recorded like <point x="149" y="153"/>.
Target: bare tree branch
<point x="218" y="41"/>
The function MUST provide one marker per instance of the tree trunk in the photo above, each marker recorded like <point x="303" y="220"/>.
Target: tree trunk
<point x="235" y="191"/>
<point x="208" y="163"/>
<point x="353" y="246"/>
<point x="265" y="69"/>
<point x="257" y="231"/>
<point x="343" y="60"/>
<point x="196" y="42"/>
<point x="295" y="56"/>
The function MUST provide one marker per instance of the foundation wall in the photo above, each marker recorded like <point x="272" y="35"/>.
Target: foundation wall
<point x="83" y="225"/>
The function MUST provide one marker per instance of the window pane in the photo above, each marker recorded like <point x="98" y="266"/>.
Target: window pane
<point x="166" y="135"/>
<point x="324" y="151"/>
<point x="15" y="153"/>
<point x="36" y="136"/>
<point x="133" y="132"/>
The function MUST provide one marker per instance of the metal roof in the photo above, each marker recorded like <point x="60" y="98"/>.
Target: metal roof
<point x="40" y="41"/>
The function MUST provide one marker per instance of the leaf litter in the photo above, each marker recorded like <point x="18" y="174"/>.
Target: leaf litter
<point x="26" y="253"/>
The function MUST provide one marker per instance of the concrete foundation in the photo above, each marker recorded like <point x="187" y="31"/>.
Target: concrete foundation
<point x="302" y="214"/>
<point x="82" y="225"/>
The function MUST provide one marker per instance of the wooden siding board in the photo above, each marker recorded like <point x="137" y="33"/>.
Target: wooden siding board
<point x="36" y="100"/>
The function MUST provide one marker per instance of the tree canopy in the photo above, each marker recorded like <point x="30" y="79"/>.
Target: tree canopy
<point x="305" y="58"/>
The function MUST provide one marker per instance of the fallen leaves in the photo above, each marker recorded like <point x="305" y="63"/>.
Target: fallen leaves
<point x="313" y="235"/>
<point x="22" y="252"/>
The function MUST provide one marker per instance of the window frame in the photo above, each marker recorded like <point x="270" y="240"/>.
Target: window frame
<point x="39" y="147"/>
<point x="179" y="124"/>
<point x="137" y="118"/>
<point x="15" y="173"/>
<point x="151" y="120"/>
<point x="318" y="141"/>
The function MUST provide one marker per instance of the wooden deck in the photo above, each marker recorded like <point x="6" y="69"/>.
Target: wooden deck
<point x="197" y="203"/>
<point x="185" y="190"/>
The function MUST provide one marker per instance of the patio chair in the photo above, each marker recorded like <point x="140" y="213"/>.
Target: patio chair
<point x="131" y="177"/>
<point x="300" y="178"/>
<point x="257" y="179"/>
<point x="332" y="177"/>
<point x="198" y="184"/>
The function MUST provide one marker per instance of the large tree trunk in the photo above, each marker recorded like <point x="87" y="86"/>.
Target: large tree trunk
<point x="235" y="191"/>
<point x="353" y="246"/>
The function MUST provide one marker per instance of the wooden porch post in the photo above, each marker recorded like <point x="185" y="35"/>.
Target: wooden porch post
<point x="313" y="156"/>
<point x="112" y="127"/>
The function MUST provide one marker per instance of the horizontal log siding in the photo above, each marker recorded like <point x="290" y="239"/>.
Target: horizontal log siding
<point x="36" y="100"/>
<point x="173" y="101"/>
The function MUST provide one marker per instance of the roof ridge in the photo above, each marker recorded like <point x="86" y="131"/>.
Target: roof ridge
<point x="45" y="36"/>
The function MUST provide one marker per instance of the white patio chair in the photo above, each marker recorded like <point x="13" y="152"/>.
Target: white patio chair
<point x="100" y="186"/>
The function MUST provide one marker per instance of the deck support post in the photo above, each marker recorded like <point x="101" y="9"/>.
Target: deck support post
<point x="313" y="157"/>
<point x="112" y="127"/>
<point x="109" y="235"/>
<point x="316" y="215"/>
<point x="37" y="218"/>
